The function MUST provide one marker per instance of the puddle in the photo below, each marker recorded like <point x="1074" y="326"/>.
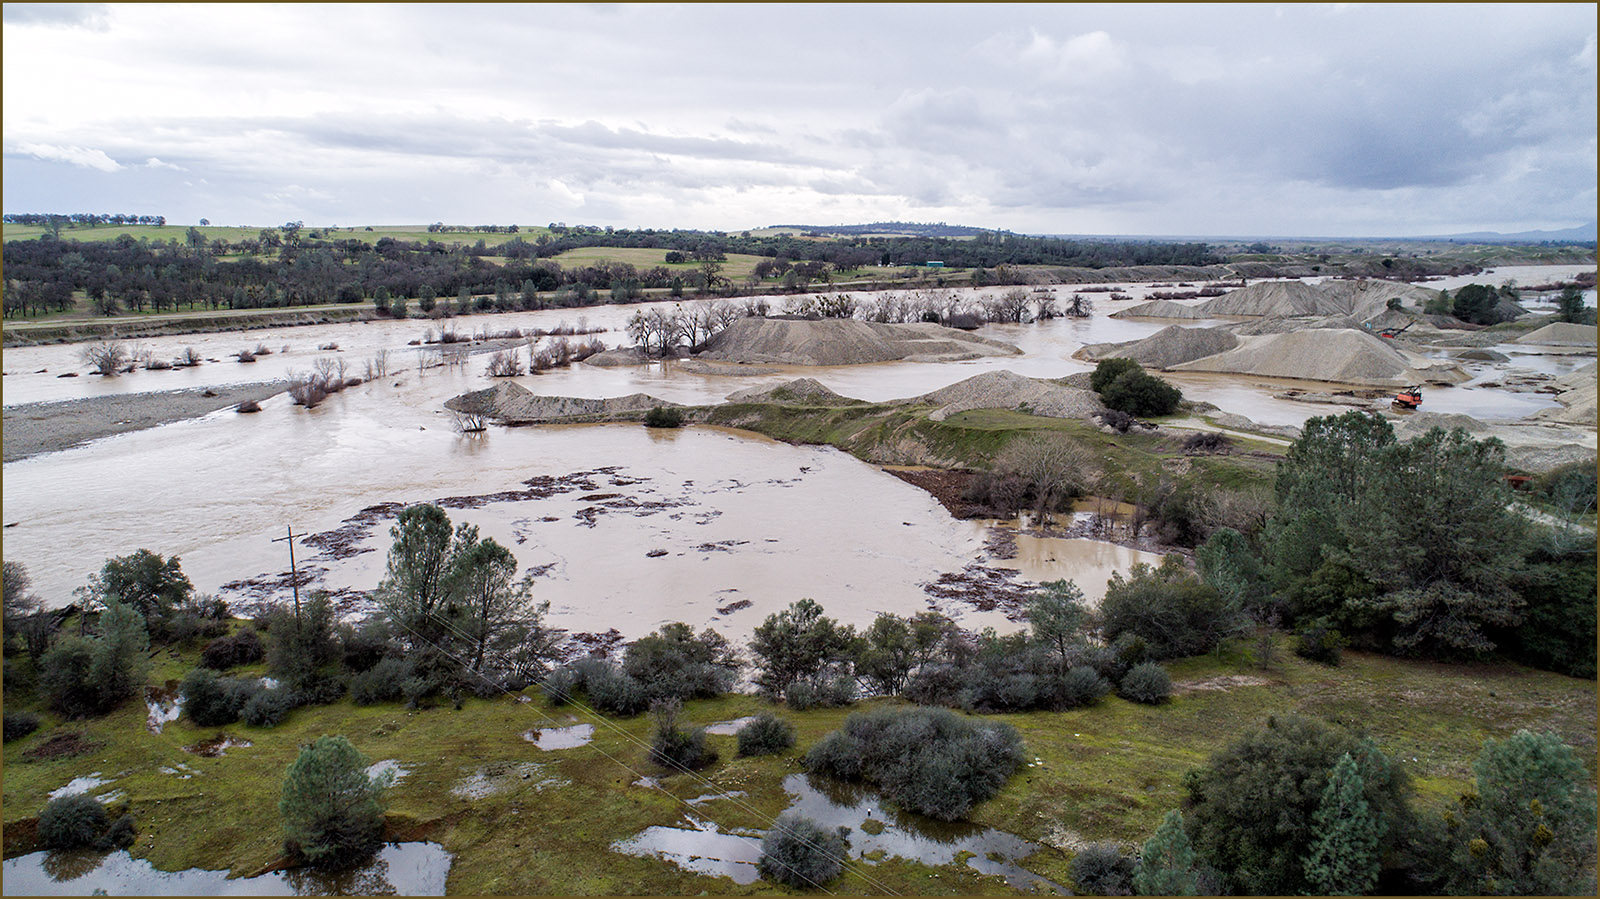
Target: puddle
<point x="702" y="848"/>
<point x="729" y="728"/>
<point x="163" y="705"/>
<point x="80" y="785"/>
<point x="549" y="738"/>
<point x="405" y="869"/>
<point x="501" y="776"/>
<point x="389" y="767"/>
<point x="709" y="797"/>
<point x="269" y="683"/>
<point x="648" y="782"/>
<point x="182" y="771"/>
<point x="217" y="746"/>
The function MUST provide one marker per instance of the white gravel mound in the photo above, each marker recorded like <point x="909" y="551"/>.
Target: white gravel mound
<point x="799" y="392"/>
<point x="1008" y="390"/>
<point x="1577" y="399"/>
<point x="845" y="342"/>
<point x="1160" y="309"/>
<point x="1343" y="355"/>
<point x="514" y="404"/>
<point x="1169" y="346"/>
<point x="1560" y="334"/>
<point x="1283" y="298"/>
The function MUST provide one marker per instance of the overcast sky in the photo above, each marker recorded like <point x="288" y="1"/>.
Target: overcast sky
<point x="1290" y="120"/>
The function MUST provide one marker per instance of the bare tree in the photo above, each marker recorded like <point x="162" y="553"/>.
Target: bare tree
<point x="505" y="364"/>
<point x="1052" y="468"/>
<point x="106" y="358"/>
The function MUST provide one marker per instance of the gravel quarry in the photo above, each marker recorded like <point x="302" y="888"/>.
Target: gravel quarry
<point x="1341" y="356"/>
<point x="845" y="342"/>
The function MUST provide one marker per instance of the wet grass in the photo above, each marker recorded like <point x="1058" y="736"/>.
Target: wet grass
<point x="1106" y="772"/>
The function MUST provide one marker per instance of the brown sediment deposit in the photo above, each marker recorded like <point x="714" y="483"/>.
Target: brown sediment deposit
<point x="33" y="428"/>
<point x="946" y="486"/>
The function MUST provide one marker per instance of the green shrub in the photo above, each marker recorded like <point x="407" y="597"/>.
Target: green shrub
<point x="767" y="735"/>
<point x="820" y="691"/>
<point x="1109" y="370"/>
<point x="1147" y="682"/>
<point x="676" y="747"/>
<point x="72" y="822"/>
<point x="1102" y="869"/>
<point x="1080" y="686"/>
<point x="663" y="417"/>
<point x="797" y="851"/>
<point x="380" y="683"/>
<point x="931" y="761"/>
<point x="558" y="686"/>
<point x="1320" y="643"/>
<point x="268" y="708"/>
<point x="611" y="690"/>
<point x="1169" y="607"/>
<point x="242" y="648"/>
<point x="20" y="724"/>
<point x="332" y="811"/>
<point x="1138" y="393"/>
<point x="675" y="663"/>
<point x="1571" y="487"/>
<point x="210" y="701"/>
<point x="119" y="835"/>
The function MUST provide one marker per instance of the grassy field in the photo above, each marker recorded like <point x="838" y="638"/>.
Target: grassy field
<point x="737" y="267"/>
<point x="1108" y="772"/>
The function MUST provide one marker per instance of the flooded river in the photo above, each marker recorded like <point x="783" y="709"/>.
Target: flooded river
<point x="624" y="527"/>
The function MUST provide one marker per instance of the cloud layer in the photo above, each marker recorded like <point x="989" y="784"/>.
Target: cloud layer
<point x="1301" y="120"/>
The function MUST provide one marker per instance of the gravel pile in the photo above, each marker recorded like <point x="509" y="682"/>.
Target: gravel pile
<point x="1535" y="447"/>
<point x="33" y="428"/>
<point x="845" y="342"/>
<point x="1577" y="399"/>
<point x="1171" y="346"/>
<point x="621" y="356"/>
<point x="799" y="392"/>
<point x="1561" y="334"/>
<point x="1366" y="299"/>
<point x="1008" y="390"/>
<point x="1160" y="309"/>
<point x="514" y="404"/>
<point x="1363" y="300"/>
<point x="1343" y="356"/>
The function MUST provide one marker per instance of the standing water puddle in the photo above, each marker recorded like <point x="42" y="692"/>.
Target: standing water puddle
<point x="217" y="746"/>
<point x="405" y="869"/>
<point x="164" y="705"/>
<point x="729" y="728"/>
<point x="497" y="777"/>
<point x="388" y="768"/>
<point x="80" y="785"/>
<point x="704" y="849"/>
<point x="548" y="738"/>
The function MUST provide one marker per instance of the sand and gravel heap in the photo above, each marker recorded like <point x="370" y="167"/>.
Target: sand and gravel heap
<point x="1281" y="324"/>
<point x="514" y="404"/>
<point x="1160" y="309"/>
<point x="1530" y="447"/>
<point x="631" y="355"/>
<point x="1167" y="347"/>
<point x="1342" y="355"/>
<point x="1008" y="390"/>
<point x="1560" y="334"/>
<point x="799" y="392"/>
<point x="1577" y="399"/>
<point x="845" y="342"/>
<point x="1362" y="300"/>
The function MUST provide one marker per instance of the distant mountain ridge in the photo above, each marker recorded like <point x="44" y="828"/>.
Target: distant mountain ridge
<point x="1581" y="232"/>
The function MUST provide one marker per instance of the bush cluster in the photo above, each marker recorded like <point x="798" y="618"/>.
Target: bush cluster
<point x="1010" y="674"/>
<point x="1139" y="393"/>
<point x="1102" y="869"/>
<point x="80" y="821"/>
<point x="931" y="761"/>
<point x="1320" y="643"/>
<point x="676" y="747"/>
<point x="663" y="417"/>
<point x="766" y="735"/>
<point x="1170" y="608"/>
<point x="797" y="851"/>
<point x="242" y="648"/>
<point x="1146" y="682"/>
<point x="19" y="725"/>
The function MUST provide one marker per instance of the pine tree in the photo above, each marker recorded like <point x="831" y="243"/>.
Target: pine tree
<point x="331" y="809"/>
<point x="1166" y="864"/>
<point x="1344" y="857"/>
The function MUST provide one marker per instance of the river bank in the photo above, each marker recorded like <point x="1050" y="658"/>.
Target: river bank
<point x="36" y="428"/>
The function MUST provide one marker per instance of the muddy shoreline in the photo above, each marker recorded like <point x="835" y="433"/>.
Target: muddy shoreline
<point x="35" y="428"/>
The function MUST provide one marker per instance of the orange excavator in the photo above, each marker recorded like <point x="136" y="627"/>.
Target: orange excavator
<point x="1409" y="399"/>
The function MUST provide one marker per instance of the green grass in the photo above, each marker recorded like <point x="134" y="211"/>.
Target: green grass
<point x="1106" y="772"/>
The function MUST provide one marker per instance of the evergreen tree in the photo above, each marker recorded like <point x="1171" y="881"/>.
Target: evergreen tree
<point x="117" y="666"/>
<point x="427" y="298"/>
<point x="380" y="300"/>
<point x="331" y="809"/>
<point x="1344" y="857"/>
<point x="1167" y="863"/>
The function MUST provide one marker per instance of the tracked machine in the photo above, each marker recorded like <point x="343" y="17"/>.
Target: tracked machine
<point x="1409" y="399"/>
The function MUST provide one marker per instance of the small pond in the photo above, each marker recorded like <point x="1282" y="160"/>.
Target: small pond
<point x="703" y="848"/>
<point x="549" y="738"/>
<point x="404" y="869"/>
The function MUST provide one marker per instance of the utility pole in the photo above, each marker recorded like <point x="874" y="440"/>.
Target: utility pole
<point x="294" y="574"/>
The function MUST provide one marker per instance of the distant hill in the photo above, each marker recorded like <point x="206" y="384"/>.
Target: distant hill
<point x="1580" y="233"/>
<point x="905" y="229"/>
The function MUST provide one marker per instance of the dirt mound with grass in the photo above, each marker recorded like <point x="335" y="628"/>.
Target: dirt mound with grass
<point x="1170" y="346"/>
<point x="845" y="342"/>
<point x="512" y="403"/>
<point x="1008" y="390"/>
<point x="1344" y="356"/>
<point x="799" y="392"/>
<point x="1160" y="309"/>
<point x="1560" y="334"/>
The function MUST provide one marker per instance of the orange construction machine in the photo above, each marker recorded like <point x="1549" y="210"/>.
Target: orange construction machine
<point x="1409" y="398"/>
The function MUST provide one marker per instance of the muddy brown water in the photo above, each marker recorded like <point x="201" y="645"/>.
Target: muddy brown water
<point x="739" y="518"/>
<point x="404" y="869"/>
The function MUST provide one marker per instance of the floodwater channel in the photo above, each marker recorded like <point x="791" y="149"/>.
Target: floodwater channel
<point x="875" y="832"/>
<point x="398" y="869"/>
<point x="623" y="527"/>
